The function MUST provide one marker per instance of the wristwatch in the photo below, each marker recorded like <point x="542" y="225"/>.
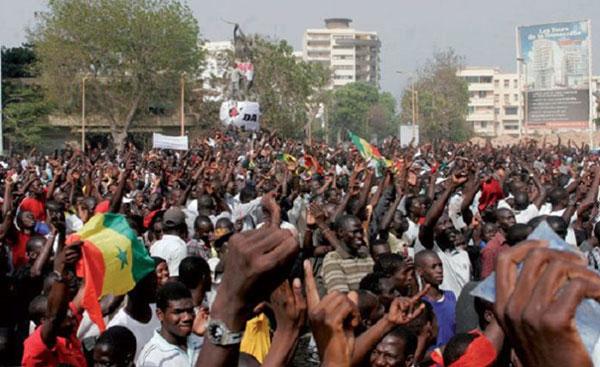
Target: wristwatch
<point x="218" y="333"/>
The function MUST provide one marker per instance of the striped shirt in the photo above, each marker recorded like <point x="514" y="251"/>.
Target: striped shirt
<point x="344" y="274"/>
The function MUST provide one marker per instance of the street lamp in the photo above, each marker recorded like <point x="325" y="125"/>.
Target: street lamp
<point x="524" y="89"/>
<point x="83" y="112"/>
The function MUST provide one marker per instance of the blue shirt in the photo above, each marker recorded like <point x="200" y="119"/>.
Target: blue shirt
<point x="445" y="313"/>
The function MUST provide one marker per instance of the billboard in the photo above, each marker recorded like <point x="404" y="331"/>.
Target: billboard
<point x="554" y="67"/>
<point x="244" y="114"/>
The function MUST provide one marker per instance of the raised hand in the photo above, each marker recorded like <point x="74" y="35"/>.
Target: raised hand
<point x="256" y="264"/>
<point x="332" y="320"/>
<point x="201" y="321"/>
<point x="289" y="306"/>
<point x="403" y="309"/>
<point x="536" y="308"/>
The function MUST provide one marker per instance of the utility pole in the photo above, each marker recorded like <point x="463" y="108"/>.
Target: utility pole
<point x="83" y="113"/>
<point x="182" y="106"/>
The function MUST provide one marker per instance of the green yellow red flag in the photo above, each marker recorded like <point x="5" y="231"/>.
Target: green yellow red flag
<point x="113" y="260"/>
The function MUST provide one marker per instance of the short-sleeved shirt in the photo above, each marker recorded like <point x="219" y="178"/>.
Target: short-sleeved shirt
<point x="344" y="274"/>
<point x="171" y="248"/>
<point x="159" y="352"/>
<point x="445" y="313"/>
<point x="490" y="253"/>
<point x="17" y="241"/>
<point x="65" y="351"/>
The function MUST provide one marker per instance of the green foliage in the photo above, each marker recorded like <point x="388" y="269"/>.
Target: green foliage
<point x="24" y="110"/>
<point x="361" y="108"/>
<point x="25" y="116"/>
<point x="288" y="89"/>
<point x="443" y="99"/>
<point x="132" y="52"/>
<point x="17" y="62"/>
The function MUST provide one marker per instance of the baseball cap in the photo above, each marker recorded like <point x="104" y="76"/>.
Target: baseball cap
<point x="173" y="217"/>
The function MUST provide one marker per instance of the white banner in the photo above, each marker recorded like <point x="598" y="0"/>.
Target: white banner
<point x="160" y="141"/>
<point x="407" y="133"/>
<point x="244" y="114"/>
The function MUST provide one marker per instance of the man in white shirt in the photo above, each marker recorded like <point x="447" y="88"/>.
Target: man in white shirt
<point x="174" y="344"/>
<point x="172" y="246"/>
<point x="139" y="314"/>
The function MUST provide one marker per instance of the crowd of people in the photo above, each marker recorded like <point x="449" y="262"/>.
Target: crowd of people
<point x="275" y="252"/>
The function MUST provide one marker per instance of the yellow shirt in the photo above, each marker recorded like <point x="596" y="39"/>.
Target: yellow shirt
<point x="257" y="339"/>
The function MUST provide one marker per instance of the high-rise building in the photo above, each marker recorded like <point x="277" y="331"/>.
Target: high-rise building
<point x="352" y="55"/>
<point x="495" y="101"/>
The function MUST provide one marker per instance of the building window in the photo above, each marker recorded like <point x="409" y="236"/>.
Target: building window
<point x="471" y="109"/>
<point x="483" y="124"/>
<point x="485" y="79"/>
<point x="496" y="83"/>
<point x="482" y="94"/>
<point x="496" y="98"/>
<point x="506" y="83"/>
<point x="506" y="98"/>
<point x="515" y="83"/>
<point x="497" y="111"/>
<point x="511" y="110"/>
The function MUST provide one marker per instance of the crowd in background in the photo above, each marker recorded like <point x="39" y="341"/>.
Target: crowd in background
<point x="305" y="254"/>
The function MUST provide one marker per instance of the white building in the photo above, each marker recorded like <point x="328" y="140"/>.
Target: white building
<point x="494" y="101"/>
<point x="352" y="55"/>
<point x="215" y="68"/>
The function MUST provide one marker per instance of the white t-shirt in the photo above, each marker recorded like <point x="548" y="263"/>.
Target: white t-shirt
<point x="171" y="248"/>
<point x="457" y="269"/>
<point x="143" y="332"/>
<point x="524" y="216"/>
<point x="160" y="353"/>
<point x="411" y="234"/>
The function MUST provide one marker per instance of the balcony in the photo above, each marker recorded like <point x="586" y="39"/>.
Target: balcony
<point x="481" y="116"/>
<point x="474" y="87"/>
<point x="481" y="102"/>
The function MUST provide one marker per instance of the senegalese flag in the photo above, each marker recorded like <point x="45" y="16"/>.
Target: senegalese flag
<point x="286" y="158"/>
<point x="368" y="151"/>
<point x="113" y="260"/>
<point x="289" y="160"/>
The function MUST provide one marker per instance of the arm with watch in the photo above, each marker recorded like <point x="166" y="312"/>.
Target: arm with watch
<point x="256" y="261"/>
<point x="58" y="298"/>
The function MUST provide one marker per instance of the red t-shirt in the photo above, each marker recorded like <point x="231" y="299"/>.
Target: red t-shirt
<point x="17" y="241"/>
<point x="36" y="207"/>
<point x="65" y="351"/>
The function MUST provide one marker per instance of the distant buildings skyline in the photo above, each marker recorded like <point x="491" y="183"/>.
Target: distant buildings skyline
<point x="352" y="55"/>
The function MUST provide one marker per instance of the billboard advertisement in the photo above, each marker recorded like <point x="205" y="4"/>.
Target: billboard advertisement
<point x="554" y="67"/>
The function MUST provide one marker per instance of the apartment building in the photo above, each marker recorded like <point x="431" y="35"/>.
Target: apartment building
<point x="494" y="101"/>
<point x="352" y="55"/>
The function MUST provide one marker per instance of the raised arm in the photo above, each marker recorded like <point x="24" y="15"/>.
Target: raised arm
<point x="251" y="274"/>
<point x="436" y="211"/>
<point x="115" y="203"/>
<point x="58" y="298"/>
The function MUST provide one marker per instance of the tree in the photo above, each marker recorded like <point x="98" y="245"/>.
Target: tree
<point x="25" y="110"/>
<point x="131" y="52"/>
<point x="443" y="99"/>
<point x="361" y="108"/>
<point x="288" y="90"/>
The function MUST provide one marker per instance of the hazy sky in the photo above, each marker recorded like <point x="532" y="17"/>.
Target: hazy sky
<point x="481" y="30"/>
